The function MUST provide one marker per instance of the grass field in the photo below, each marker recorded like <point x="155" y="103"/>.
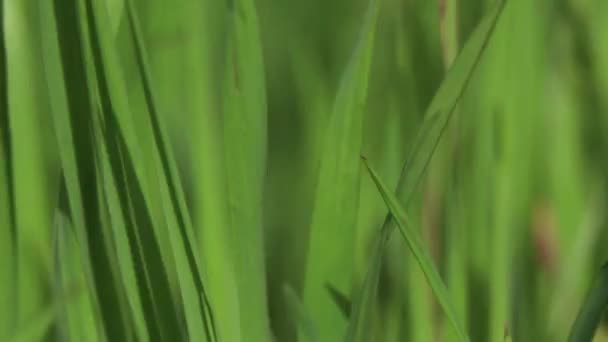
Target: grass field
<point x="312" y="171"/>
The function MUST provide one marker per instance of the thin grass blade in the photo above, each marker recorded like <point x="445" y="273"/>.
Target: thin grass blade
<point x="71" y="102"/>
<point x="331" y="242"/>
<point x="436" y="118"/>
<point x="423" y="257"/>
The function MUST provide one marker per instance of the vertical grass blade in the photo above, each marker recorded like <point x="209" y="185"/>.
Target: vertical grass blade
<point x="592" y="310"/>
<point x="441" y="108"/>
<point x="245" y="148"/>
<point x="71" y="105"/>
<point x="437" y="116"/>
<point x="330" y="251"/>
<point x="117" y="111"/>
<point x="8" y="232"/>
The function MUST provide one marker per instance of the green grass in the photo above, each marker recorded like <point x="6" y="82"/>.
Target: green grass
<point x="191" y="170"/>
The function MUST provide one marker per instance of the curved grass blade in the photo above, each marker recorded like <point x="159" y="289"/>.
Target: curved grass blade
<point x="423" y="257"/>
<point x="591" y="312"/>
<point x="331" y="243"/>
<point x="436" y="119"/>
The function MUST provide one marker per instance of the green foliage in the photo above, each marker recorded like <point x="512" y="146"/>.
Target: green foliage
<point x="190" y="170"/>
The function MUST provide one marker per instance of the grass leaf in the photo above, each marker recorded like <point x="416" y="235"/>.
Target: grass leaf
<point x="71" y="100"/>
<point x="336" y="199"/>
<point x="593" y="308"/>
<point x="436" y="119"/>
<point x="423" y="257"/>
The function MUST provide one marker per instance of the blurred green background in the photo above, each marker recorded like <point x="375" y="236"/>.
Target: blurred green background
<point x="512" y="206"/>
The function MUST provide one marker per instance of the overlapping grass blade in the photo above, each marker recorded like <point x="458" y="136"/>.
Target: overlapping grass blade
<point x="592" y="310"/>
<point x="117" y="111"/>
<point x="71" y="104"/>
<point x="441" y="108"/>
<point x="436" y="119"/>
<point x="423" y="257"/>
<point x="331" y="242"/>
<point x="169" y="167"/>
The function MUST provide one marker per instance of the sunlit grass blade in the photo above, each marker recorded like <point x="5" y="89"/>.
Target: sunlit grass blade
<point x="71" y="103"/>
<point x="592" y="310"/>
<point x="331" y="243"/>
<point x="245" y="150"/>
<point x="418" y="249"/>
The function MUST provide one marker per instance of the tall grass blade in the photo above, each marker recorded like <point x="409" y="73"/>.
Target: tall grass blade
<point x="245" y="148"/>
<point x="439" y="112"/>
<point x="436" y="118"/>
<point x="423" y="257"/>
<point x="117" y="112"/>
<point x="591" y="312"/>
<point x="7" y="198"/>
<point x="71" y="105"/>
<point x="331" y="243"/>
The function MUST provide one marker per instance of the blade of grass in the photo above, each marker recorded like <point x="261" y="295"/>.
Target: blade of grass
<point x="29" y="155"/>
<point x="423" y="257"/>
<point x="331" y="242"/>
<point x="592" y="310"/>
<point x="168" y="164"/>
<point x="7" y="200"/>
<point x="245" y="148"/>
<point x="65" y="72"/>
<point x="436" y="118"/>
<point x="173" y="202"/>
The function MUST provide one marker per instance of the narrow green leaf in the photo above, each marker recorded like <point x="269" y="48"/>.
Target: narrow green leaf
<point x="71" y="105"/>
<point x="439" y="112"/>
<point x="245" y="151"/>
<point x="436" y="119"/>
<point x="118" y="110"/>
<point x="7" y="197"/>
<point x="591" y="312"/>
<point x="423" y="257"/>
<point x="331" y="242"/>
